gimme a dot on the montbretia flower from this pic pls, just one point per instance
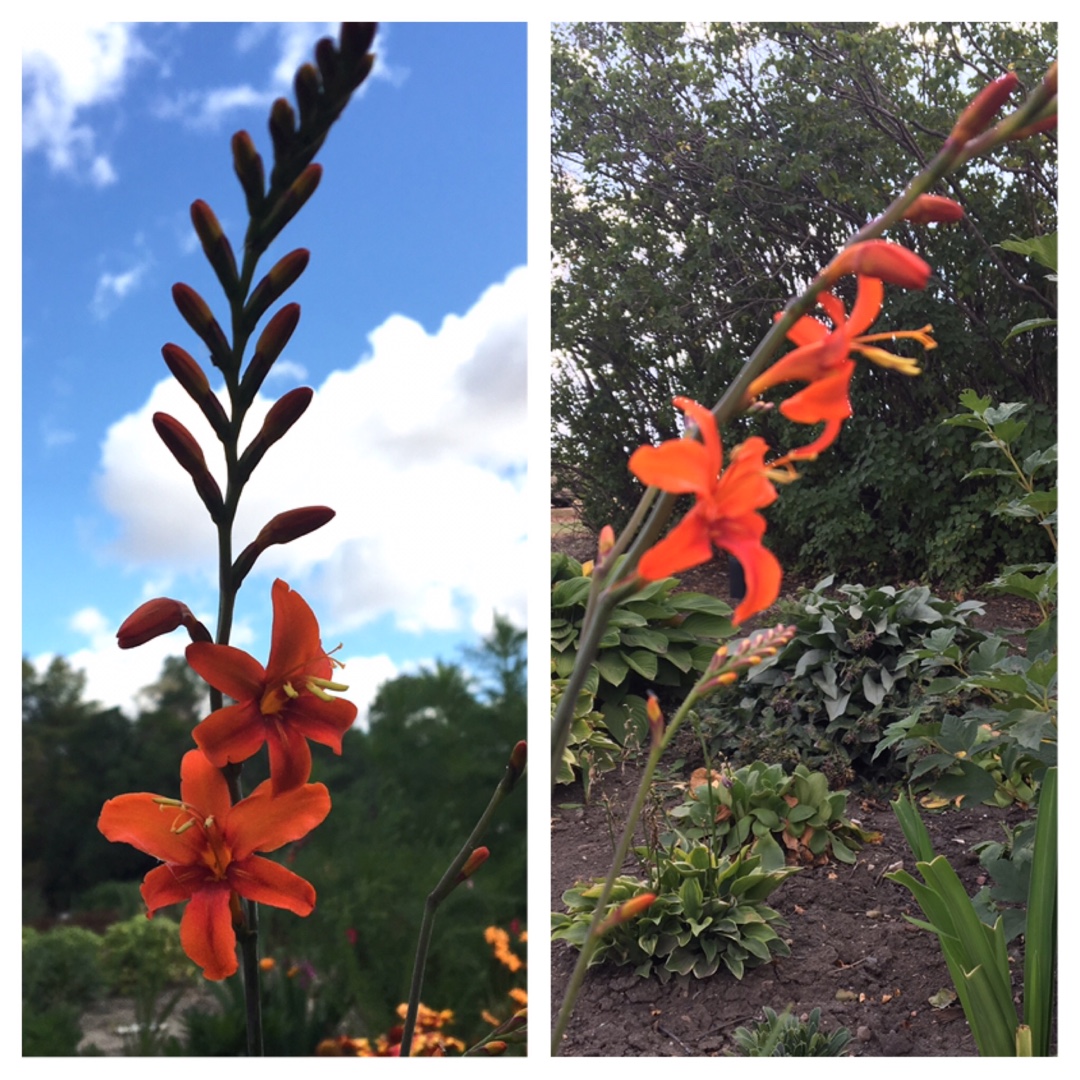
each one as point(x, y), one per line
point(283, 705)
point(725, 514)
point(822, 360)
point(207, 847)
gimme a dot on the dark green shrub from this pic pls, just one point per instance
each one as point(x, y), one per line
point(143, 956)
point(61, 966)
point(52, 1032)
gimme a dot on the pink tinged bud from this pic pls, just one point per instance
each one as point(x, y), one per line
point(282, 415)
point(927, 208)
point(656, 719)
point(516, 765)
point(268, 348)
point(978, 116)
point(188, 453)
point(630, 910)
point(606, 542)
point(473, 863)
point(289, 205)
point(881, 259)
point(197, 315)
point(249, 170)
point(279, 278)
point(215, 245)
point(193, 379)
point(281, 529)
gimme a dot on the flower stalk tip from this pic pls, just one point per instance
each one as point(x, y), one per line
point(473, 863)
point(516, 764)
point(977, 117)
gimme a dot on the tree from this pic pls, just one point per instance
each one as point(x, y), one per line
point(702, 174)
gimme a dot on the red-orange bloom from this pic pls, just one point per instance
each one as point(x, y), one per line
point(207, 849)
point(284, 704)
point(822, 361)
point(724, 515)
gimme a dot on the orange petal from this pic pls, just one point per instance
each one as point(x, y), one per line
point(161, 887)
point(295, 639)
point(869, 293)
point(680, 466)
point(290, 756)
point(761, 570)
point(147, 825)
point(825, 399)
point(232, 734)
point(804, 364)
point(706, 425)
point(264, 822)
point(206, 931)
point(230, 670)
point(687, 545)
point(744, 485)
point(202, 786)
point(324, 722)
point(266, 882)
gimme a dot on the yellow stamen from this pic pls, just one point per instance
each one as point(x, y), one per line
point(290, 692)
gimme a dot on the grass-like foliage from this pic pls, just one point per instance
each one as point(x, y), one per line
point(784, 1035)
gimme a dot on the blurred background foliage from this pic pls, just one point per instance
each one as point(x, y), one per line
point(702, 174)
point(405, 792)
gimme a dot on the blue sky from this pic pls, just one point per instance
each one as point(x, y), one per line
point(412, 334)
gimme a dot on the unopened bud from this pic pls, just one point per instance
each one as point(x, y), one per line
point(516, 765)
point(326, 56)
point(656, 719)
point(190, 375)
point(282, 415)
point(249, 170)
point(197, 315)
point(188, 453)
point(496, 1046)
point(587, 568)
point(282, 128)
point(154, 618)
point(473, 863)
point(268, 348)
point(281, 529)
point(356, 39)
point(288, 206)
point(215, 245)
point(927, 208)
point(881, 259)
point(606, 541)
point(279, 278)
point(306, 85)
point(977, 117)
point(630, 910)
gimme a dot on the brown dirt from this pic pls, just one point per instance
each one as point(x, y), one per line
point(853, 955)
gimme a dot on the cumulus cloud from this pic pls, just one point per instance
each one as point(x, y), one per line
point(65, 72)
point(111, 288)
point(420, 447)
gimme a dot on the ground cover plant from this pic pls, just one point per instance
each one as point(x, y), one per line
point(729, 492)
point(209, 833)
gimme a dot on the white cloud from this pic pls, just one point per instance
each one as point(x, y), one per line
point(421, 450)
point(111, 288)
point(65, 71)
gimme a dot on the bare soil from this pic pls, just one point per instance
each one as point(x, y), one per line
point(853, 954)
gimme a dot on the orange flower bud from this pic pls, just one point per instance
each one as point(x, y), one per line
point(496, 1046)
point(279, 278)
point(288, 206)
point(977, 117)
point(267, 963)
point(188, 453)
point(606, 542)
point(517, 761)
point(881, 259)
point(197, 315)
point(282, 415)
point(927, 208)
point(151, 620)
point(249, 170)
point(215, 245)
point(280, 529)
point(473, 863)
point(192, 378)
point(268, 348)
point(630, 910)
point(656, 719)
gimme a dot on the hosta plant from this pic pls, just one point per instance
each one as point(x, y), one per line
point(708, 911)
point(656, 639)
point(786, 818)
point(590, 750)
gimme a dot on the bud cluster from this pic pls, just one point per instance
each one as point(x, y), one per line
point(727, 662)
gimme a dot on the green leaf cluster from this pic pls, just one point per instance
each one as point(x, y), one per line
point(656, 639)
point(779, 815)
point(60, 966)
point(784, 1035)
point(826, 699)
point(709, 911)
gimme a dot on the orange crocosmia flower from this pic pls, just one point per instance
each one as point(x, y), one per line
point(724, 515)
point(822, 361)
point(207, 847)
point(284, 704)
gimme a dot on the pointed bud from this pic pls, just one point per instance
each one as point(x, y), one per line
point(881, 259)
point(193, 379)
point(656, 720)
point(288, 206)
point(326, 56)
point(606, 541)
point(279, 278)
point(516, 765)
point(197, 315)
point(356, 39)
point(306, 84)
point(282, 128)
point(927, 208)
point(630, 910)
point(188, 453)
point(280, 529)
point(216, 246)
point(1048, 123)
point(157, 617)
point(282, 415)
point(978, 116)
point(249, 170)
point(268, 348)
point(496, 1046)
point(473, 863)
point(587, 568)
